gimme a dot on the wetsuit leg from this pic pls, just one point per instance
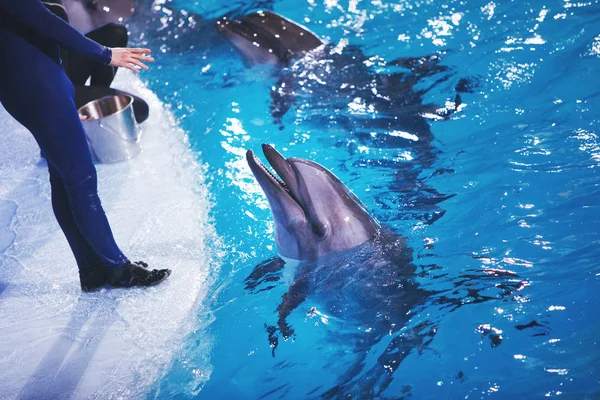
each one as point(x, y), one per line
point(35, 90)
point(85, 256)
point(79, 68)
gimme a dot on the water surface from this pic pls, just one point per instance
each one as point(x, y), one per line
point(507, 183)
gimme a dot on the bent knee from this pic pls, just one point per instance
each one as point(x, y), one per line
point(78, 175)
point(116, 34)
point(82, 189)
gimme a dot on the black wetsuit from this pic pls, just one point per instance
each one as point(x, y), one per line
point(35, 90)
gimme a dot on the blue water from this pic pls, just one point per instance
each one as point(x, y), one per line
point(507, 183)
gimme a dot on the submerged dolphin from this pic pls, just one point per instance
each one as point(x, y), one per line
point(264, 37)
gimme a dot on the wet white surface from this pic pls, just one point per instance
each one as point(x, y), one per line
point(57, 342)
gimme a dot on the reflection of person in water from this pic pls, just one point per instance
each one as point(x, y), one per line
point(79, 68)
point(35, 90)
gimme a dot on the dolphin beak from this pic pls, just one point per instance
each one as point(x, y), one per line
point(283, 168)
point(267, 180)
point(281, 189)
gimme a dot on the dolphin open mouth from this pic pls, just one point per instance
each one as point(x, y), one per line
point(287, 189)
point(282, 180)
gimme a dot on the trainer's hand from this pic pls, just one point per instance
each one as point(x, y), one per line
point(130, 58)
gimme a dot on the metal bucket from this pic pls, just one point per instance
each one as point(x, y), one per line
point(112, 133)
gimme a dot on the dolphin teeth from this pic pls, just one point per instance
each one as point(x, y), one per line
point(277, 179)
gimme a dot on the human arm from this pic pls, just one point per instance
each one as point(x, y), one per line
point(33, 14)
point(37, 17)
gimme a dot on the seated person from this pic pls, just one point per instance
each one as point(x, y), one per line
point(79, 69)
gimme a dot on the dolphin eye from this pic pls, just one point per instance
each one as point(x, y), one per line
point(319, 229)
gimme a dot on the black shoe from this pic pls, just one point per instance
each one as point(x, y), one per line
point(136, 274)
point(92, 278)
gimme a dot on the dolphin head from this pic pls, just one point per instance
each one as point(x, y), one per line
point(314, 212)
point(264, 37)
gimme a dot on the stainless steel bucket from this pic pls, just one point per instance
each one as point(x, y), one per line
point(111, 129)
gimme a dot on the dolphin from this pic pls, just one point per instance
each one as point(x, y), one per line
point(352, 271)
point(314, 212)
point(349, 265)
point(264, 37)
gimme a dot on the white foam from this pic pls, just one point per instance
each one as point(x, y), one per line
point(57, 342)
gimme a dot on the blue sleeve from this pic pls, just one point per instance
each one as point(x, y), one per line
point(33, 14)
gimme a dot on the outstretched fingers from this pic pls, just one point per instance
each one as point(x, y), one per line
point(129, 64)
point(142, 57)
point(137, 63)
point(136, 58)
point(134, 61)
point(137, 50)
